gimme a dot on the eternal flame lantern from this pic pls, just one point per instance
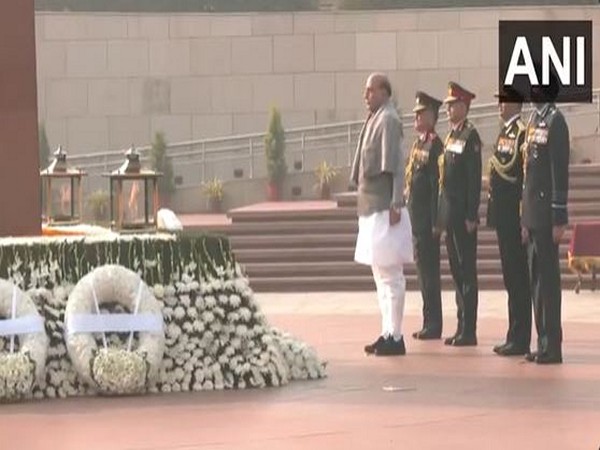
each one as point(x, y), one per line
point(61, 191)
point(133, 195)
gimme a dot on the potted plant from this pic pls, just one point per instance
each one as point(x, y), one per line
point(162, 163)
point(325, 174)
point(214, 191)
point(275, 156)
point(98, 204)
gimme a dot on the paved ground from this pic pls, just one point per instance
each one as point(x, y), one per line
point(434, 398)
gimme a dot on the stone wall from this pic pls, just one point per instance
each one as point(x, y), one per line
point(105, 81)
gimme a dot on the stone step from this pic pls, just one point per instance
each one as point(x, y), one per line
point(297, 255)
point(278, 241)
point(365, 283)
point(348, 199)
point(349, 268)
point(576, 211)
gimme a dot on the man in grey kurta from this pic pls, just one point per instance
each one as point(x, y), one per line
point(378, 172)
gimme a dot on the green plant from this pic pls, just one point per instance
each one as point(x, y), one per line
point(44, 147)
point(213, 189)
point(325, 173)
point(275, 149)
point(98, 205)
point(161, 162)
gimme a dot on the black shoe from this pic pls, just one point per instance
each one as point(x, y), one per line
point(391, 347)
point(498, 348)
point(450, 340)
point(547, 358)
point(371, 348)
point(464, 340)
point(531, 356)
point(512, 349)
point(427, 334)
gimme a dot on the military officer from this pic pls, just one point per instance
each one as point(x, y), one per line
point(458, 209)
point(503, 214)
point(545, 216)
point(422, 189)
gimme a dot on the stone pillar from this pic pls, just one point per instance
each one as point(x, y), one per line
point(19, 166)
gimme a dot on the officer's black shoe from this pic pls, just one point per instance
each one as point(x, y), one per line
point(498, 348)
point(450, 340)
point(371, 348)
point(547, 358)
point(464, 340)
point(427, 334)
point(391, 347)
point(512, 349)
point(531, 357)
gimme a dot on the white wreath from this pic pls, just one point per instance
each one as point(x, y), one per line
point(112, 370)
point(19, 371)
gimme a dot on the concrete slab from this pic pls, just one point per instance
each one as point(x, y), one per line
point(435, 397)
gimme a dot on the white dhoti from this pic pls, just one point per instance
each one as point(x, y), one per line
point(386, 249)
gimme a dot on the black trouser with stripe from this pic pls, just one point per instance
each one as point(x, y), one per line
point(515, 272)
point(544, 266)
point(427, 258)
point(462, 255)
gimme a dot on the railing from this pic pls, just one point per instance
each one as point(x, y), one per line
point(242, 156)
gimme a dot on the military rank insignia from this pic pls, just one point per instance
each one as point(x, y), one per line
point(505, 145)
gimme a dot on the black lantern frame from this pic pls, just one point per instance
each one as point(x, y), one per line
point(58, 172)
point(133, 174)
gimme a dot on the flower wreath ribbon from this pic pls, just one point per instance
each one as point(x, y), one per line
point(115, 323)
point(19, 325)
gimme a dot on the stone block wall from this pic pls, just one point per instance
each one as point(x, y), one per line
point(108, 80)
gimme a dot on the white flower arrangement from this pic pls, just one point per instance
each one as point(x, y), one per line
point(20, 370)
point(118, 371)
point(111, 371)
point(215, 335)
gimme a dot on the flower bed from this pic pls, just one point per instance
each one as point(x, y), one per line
point(215, 336)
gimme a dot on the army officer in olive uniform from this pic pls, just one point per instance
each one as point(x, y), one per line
point(458, 210)
point(545, 216)
point(503, 214)
point(422, 187)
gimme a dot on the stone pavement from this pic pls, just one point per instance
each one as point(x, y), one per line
point(434, 398)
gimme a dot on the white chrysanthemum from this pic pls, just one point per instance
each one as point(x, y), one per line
point(241, 330)
point(210, 301)
point(198, 326)
point(185, 301)
point(169, 291)
point(235, 300)
point(159, 291)
point(200, 303)
point(192, 312)
point(208, 317)
point(167, 312)
point(171, 300)
point(223, 299)
point(245, 314)
point(179, 312)
point(173, 331)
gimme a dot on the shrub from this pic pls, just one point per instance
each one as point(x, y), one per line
point(162, 163)
point(44, 147)
point(98, 205)
point(275, 149)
